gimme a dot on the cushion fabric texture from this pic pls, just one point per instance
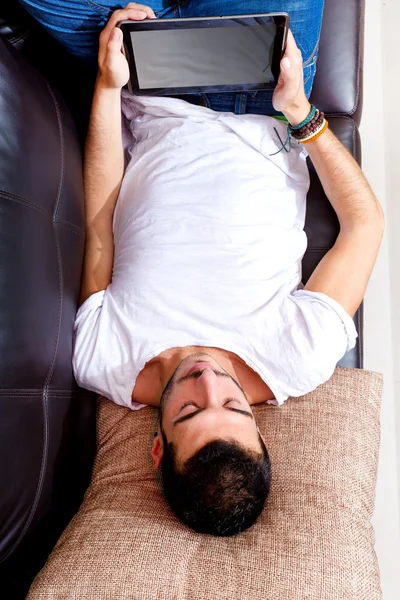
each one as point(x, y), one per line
point(313, 541)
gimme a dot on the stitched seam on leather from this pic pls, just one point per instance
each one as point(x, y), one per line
point(45, 394)
point(17, 38)
point(33, 392)
point(25, 202)
point(66, 225)
point(350, 120)
point(358, 74)
point(339, 115)
point(21, 200)
point(360, 18)
point(59, 396)
point(319, 249)
point(60, 186)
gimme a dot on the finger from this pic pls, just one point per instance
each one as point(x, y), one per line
point(113, 63)
point(292, 52)
point(147, 9)
point(130, 14)
point(124, 14)
point(114, 45)
point(288, 72)
point(290, 42)
point(291, 73)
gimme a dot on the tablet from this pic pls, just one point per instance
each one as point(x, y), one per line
point(204, 54)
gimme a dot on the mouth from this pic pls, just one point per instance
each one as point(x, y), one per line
point(198, 367)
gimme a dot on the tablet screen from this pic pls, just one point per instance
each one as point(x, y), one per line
point(205, 57)
point(172, 56)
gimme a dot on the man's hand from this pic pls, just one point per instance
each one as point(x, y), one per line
point(289, 96)
point(113, 66)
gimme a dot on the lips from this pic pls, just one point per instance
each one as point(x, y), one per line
point(200, 365)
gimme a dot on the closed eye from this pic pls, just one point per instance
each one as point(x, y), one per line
point(193, 403)
point(228, 400)
point(199, 410)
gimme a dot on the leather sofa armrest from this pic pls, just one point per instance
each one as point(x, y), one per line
point(46, 427)
point(14, 23)
point(338, 82)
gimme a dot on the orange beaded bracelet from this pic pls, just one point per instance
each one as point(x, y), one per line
point(316, 135)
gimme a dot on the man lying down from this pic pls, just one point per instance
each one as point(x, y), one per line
point(191, 296)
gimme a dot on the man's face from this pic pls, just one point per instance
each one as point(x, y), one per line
point(202, 403)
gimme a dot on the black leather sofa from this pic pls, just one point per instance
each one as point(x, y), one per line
point(47, 425)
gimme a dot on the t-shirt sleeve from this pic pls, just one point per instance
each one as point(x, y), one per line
point(99, 356)
point(86, 333)
point(315, 335)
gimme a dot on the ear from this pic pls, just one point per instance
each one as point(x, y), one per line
point(157, 451)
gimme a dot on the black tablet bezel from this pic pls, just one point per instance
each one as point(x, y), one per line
point(281, 21)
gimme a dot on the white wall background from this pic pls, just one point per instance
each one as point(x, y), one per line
point(391, 60)
point(381, 164)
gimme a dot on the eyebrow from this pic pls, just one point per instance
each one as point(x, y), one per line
point(193, 414)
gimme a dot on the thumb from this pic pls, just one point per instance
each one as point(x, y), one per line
point(288, 73)
point(115, 42)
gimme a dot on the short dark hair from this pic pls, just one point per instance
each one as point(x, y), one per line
point(221, 490)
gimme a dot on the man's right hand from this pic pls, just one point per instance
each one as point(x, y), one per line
point(113, 66)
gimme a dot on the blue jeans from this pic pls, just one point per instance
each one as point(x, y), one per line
point(76, 24)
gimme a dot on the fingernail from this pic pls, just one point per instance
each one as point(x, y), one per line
point(285, 64)
point(115, 33)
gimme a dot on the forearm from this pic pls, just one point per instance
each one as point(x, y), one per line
point(344, 271)
point(103, 173)
point(344, 183)
point(104, 158)
point(342, 179)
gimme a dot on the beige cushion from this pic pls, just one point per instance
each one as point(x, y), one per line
point(313, 541)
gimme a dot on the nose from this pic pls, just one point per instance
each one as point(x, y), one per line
point(206, 385)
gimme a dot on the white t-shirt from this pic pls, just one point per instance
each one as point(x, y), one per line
point(208, 232)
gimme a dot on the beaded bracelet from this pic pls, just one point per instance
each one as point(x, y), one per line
point(307, 131)
point(316, 135)
point(310, 128)
point(307, 120)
